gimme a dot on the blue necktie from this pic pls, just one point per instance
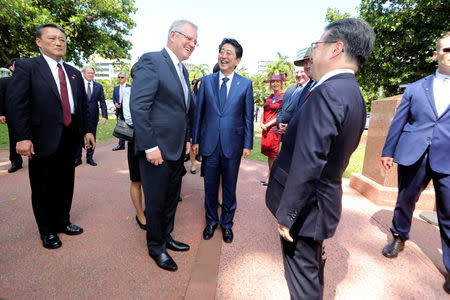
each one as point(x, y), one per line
point(223, 92)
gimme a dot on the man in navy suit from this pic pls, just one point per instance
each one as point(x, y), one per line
point(160, 102)
point(305, 192)
point(117, 100)
point(294, 94)
point(48, 110)
point(418, 140)
point(223, 129)
point(95, 97)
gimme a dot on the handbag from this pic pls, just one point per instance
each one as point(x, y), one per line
point(123, 131)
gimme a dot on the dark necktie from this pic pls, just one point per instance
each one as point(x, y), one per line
point(223, 92)
point(67, 118)
point(183, 83)
point(89, 92)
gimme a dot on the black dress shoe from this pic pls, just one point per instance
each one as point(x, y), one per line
point(193, 171)
point(14, 168)
point(392, 249)
point(78, 162)
point(177, 246)
point(91, 162)
point(208, 232)
point(180, 199)
point(118, 148)
point(140, 224)
point(51, 241)
point(164, 261)
point(227, 235)
point(72, 229)
point(447, 284)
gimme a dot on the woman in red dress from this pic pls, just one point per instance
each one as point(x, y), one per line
point(271, 135)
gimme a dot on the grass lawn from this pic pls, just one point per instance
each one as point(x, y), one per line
point(104, 135)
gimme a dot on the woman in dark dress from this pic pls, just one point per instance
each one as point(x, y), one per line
point(271, 135)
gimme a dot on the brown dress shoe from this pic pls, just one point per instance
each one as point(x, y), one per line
point(447, 284)
point(392, 249)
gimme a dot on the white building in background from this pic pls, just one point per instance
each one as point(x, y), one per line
point(262, 65)
point(104, 67)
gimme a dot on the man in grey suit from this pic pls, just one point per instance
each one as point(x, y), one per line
point(305, 185)
point(159, 103)
point(418, 140)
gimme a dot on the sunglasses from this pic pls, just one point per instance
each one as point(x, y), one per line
point(120, 77)
point(446, 50)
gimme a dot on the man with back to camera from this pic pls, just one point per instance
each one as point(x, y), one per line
point(160, 102)
point(305, 192)
point(223, 133)
point(418, 140)
point(49, 114)
point(95, 97)
point(16, 159)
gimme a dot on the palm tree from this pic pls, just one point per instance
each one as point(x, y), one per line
point(279, 66)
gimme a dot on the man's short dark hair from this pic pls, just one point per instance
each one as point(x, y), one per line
point(11, 62)
point(133, 68)
point(236, 45)
point(40, 29)
point(356, 34)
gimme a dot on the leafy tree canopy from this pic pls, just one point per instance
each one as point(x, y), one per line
point(406, 34)
point(92, 26)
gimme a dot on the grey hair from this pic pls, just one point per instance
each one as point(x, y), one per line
point(122, 73)
point(87, 67)
point(178, 26)
point(356, 34)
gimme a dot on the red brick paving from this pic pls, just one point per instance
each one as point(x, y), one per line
point(110, 259)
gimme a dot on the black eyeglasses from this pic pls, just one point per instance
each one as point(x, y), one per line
point(446, 50)
point(188, 38)
point(120, 77)
point(314, 45)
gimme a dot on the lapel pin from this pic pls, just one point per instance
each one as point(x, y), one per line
point(73, 77)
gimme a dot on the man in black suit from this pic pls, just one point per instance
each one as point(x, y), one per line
point(95, 97)
point(16, 159)
point(117, 100)
point(160, 102)
point(305, 192)
point(48, 111)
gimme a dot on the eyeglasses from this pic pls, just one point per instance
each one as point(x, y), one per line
point(446, 50)
point(314, 45)
point(120, 77)
point(188, 38)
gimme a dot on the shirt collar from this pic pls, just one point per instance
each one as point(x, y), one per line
point(86, 82)
point(331, 74)
point(172, 56)
point(221, 76)
point(51, 62)
point(441, 76)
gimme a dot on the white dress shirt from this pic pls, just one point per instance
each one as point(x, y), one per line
point(441, 91)
point(53, 64)
point(221, 76)
point(331, 74)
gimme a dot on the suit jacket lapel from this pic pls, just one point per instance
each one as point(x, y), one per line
point(46, 73)
point(174, 73)
point(428, 88)
point(215, 80)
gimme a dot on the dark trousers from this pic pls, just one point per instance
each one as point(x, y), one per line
point(412, 180)
point(215, 165)
point(15, 158)
point(89, 152)
point(52, 182)
point(119, 115)
point(161, 185)
point(303, 268)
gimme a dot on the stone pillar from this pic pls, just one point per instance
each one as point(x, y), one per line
point(375, 183)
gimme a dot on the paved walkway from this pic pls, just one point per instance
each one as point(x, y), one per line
point(110, 260)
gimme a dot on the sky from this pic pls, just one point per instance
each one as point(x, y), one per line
point(262, 27)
